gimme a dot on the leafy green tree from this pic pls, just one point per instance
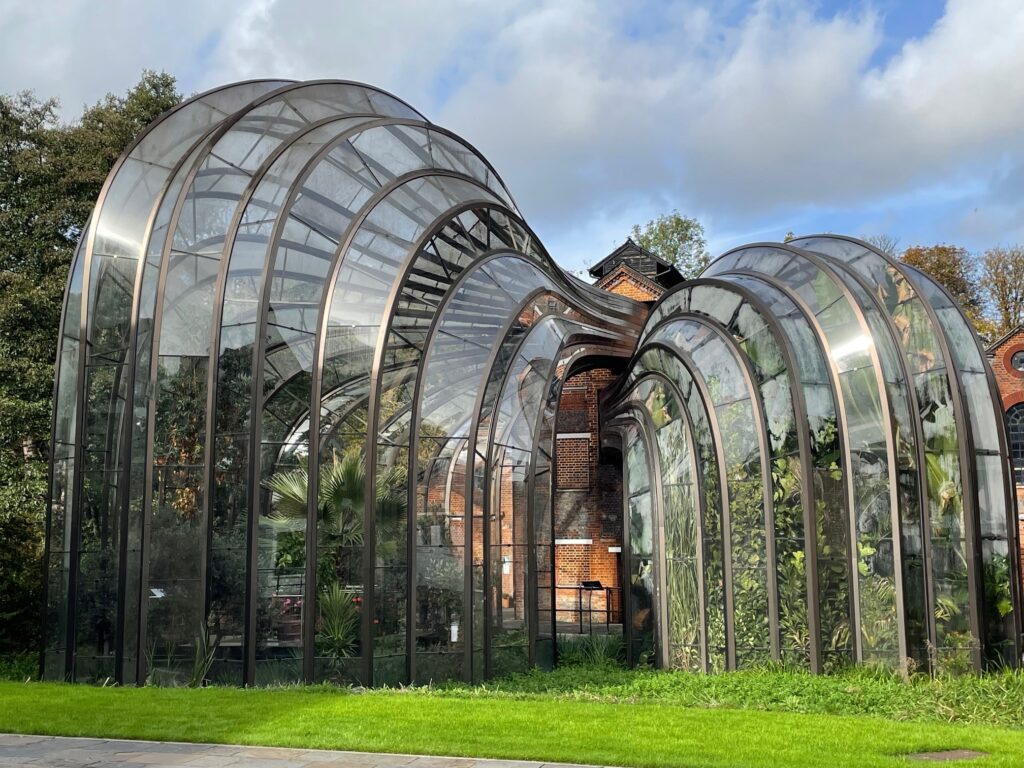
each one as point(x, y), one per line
point(956, 270)
point(677, 239)
point(50, 175)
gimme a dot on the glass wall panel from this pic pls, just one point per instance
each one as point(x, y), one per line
point(830, 510)
point(641, 561)
point(715, 570)
point(308, 380)
point(457, 366)
point(844, 329)
point(739, 427)
point(760, 343)
point(993, 520)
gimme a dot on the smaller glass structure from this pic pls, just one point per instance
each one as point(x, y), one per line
point(310, 365)
point(854, 502)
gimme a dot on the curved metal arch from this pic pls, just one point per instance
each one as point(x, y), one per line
point(568, 340)
point(319, 347)
point(799, 407)
point(207, 147)
point(700, 510)
point(228, 240)
point(687, 363)
point(961, 406)
point(886, 429)
point(767, 489)
point(88, 239)
point(331, 142)
point(823, 346)
point(471, 437)
point(51, 469)
point(324, 153)
point(320, 341)
point(923, 484)
point(715, 442)
point(645, 427)
point(566, 368)
point(414, 434)
point(373, 426)
point(1009, 497)
point(146, 490)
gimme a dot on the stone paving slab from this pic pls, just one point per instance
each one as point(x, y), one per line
point(17, 751)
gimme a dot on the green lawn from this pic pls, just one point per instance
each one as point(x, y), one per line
point(557, 725)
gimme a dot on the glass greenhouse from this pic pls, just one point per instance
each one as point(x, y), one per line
point(310, 364)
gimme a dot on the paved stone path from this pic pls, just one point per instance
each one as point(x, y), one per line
point(62, 752)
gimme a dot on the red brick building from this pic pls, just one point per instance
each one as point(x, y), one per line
point(588, 491)
point(1007, 358)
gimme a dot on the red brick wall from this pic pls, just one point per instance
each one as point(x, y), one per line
point(1010, 381)
point(629, 285)
point(588, 501)
point(588, 494)
point(1011, 391)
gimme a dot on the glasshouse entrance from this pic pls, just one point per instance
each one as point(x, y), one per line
point(312, 423)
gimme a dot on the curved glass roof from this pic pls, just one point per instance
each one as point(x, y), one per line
point(310, 367)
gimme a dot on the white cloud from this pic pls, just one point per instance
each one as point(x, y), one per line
point(601, 113)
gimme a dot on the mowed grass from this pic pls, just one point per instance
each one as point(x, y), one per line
point(481, 722)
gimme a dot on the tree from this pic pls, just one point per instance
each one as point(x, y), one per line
point(1002, 278)
point(50, 175)
point(677, 239)
point(957, 271)
point(885, 243)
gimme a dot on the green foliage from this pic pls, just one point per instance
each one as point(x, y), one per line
point(676, 238)
point(19, 667)
point(339, 624)
point(957, 271)
point(994, 699)
point(50, 175)
point(591, 650)
point(205, 652)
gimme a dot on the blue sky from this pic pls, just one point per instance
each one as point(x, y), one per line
point(903, 118)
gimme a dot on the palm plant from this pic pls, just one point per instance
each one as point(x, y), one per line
point(339, 498)
point(340, 533)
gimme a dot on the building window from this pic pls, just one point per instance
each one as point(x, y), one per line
point(1017, 361)
point(1015, 425)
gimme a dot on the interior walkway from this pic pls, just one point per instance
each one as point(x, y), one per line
point(62, 752)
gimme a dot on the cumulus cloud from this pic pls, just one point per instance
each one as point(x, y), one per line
point(600, 114)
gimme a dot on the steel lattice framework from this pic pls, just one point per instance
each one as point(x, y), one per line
point(310, 362)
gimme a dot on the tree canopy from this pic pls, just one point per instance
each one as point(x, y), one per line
point(677, 239)
point(1002, 279)
point(50, 175)
point(956, 270)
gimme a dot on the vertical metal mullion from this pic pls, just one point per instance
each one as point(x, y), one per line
point(767, 490)
point(807, 490)
point(81, 400)
point(835, 385)
point(727, 575)
point(333, 273)
point(58, 365)
point(490, 459)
